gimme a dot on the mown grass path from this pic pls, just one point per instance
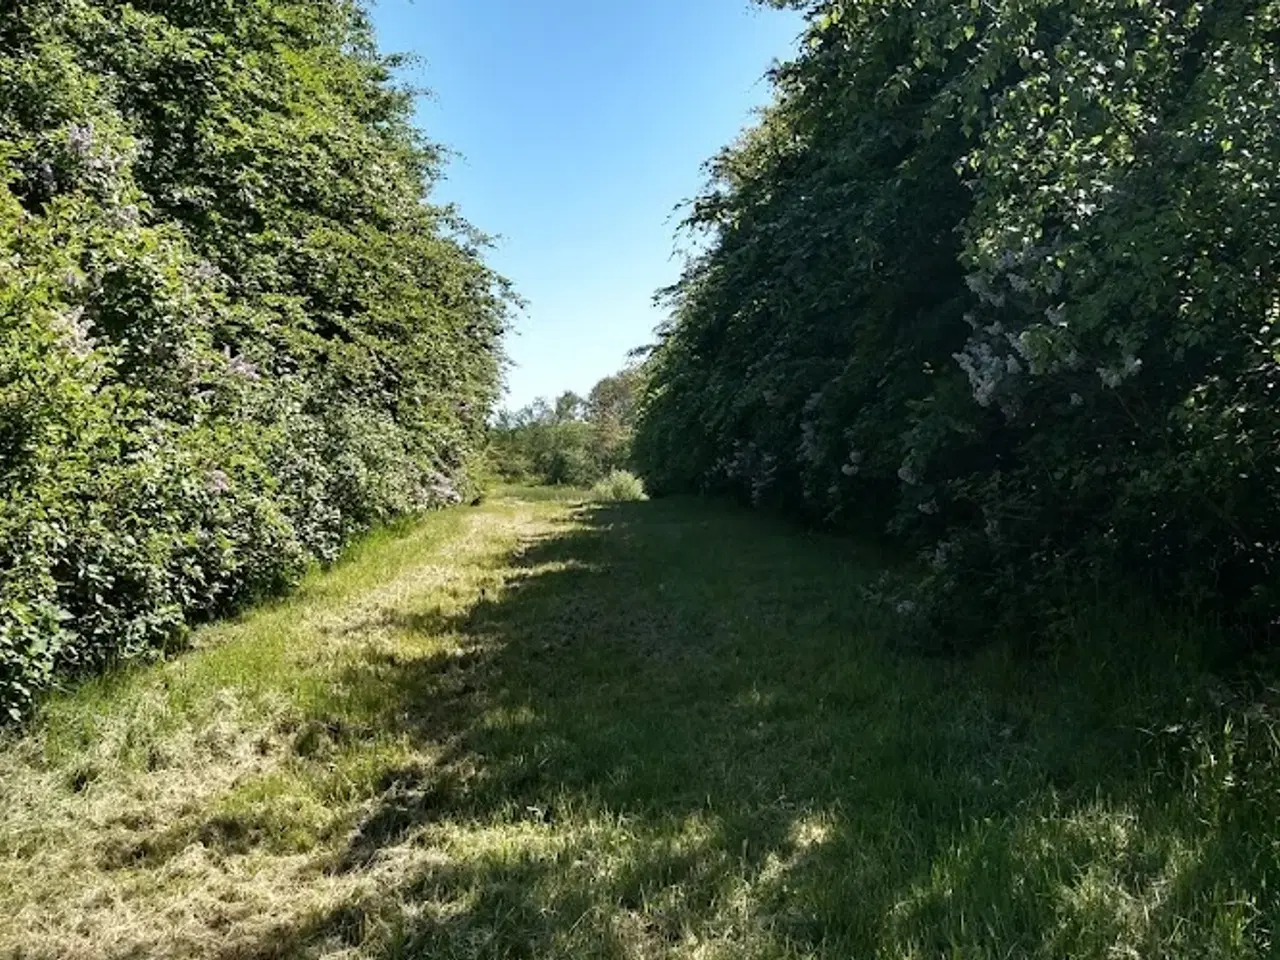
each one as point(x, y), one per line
point(544, 728)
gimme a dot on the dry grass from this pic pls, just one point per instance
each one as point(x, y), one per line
point(549, 729)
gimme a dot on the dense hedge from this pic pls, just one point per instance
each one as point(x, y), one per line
point(232, 330)
point(1002, 280)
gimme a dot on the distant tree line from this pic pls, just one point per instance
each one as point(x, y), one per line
point(1000, 281)
point(234, 332)
point(575, 441)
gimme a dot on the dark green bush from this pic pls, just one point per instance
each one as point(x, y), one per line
point(233, 331)
point(1000, 280)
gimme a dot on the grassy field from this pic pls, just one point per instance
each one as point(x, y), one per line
point(548, 728)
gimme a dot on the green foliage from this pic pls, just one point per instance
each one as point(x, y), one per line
point(573, 442)
point(233, 332)
point(999, 280)
point(619, 486)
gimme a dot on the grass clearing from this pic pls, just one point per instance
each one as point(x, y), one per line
point(553, 728)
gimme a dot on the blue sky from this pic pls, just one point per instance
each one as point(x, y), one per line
point(581, 125)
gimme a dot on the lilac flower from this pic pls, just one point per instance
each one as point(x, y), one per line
point(984, 368)
point(442, 490)
point(73, 329)
point(853, 465)
point(217, 482)
point(240, 367)
point(80, 138)
point(206, 272)
point(127, 216)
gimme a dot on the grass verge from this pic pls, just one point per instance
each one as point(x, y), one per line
point(548, 728)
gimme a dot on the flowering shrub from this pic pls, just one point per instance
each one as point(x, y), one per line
point(1000, 280)
point(233, 333)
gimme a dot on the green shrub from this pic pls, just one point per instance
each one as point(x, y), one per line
point(618, 486)
point(233, 333)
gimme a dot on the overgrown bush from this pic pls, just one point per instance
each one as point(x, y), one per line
point(572, 442)
point(619, 486)
point(1000, 280)
point(233, 332)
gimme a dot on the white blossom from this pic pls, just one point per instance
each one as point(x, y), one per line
point(73, 330)
point(217, 482)
point(80, 138)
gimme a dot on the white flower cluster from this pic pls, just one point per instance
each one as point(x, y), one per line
point(206, 272)
point(810, 449)
point(100, 162)
point(441, 490)
point(762, 479)
point(748, 465)
point(238, 366)
point(985, 368)
point(851, 466)
point(73, 329)
point(1113, 376)
point(80, 138)
point(217, 482)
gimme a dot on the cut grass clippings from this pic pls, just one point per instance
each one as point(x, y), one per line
point(554, 728)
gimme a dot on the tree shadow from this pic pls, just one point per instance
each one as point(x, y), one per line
point(664, 731)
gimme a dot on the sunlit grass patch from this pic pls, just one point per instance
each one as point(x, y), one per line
point(558, 728)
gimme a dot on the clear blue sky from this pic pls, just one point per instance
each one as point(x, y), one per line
point(581, 124)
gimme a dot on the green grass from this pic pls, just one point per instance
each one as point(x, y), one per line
point(554, 728)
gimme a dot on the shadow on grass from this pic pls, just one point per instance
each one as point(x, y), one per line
point(679, 725)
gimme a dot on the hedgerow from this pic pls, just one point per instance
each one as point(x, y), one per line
point(1003, 281)
point(233, 330)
